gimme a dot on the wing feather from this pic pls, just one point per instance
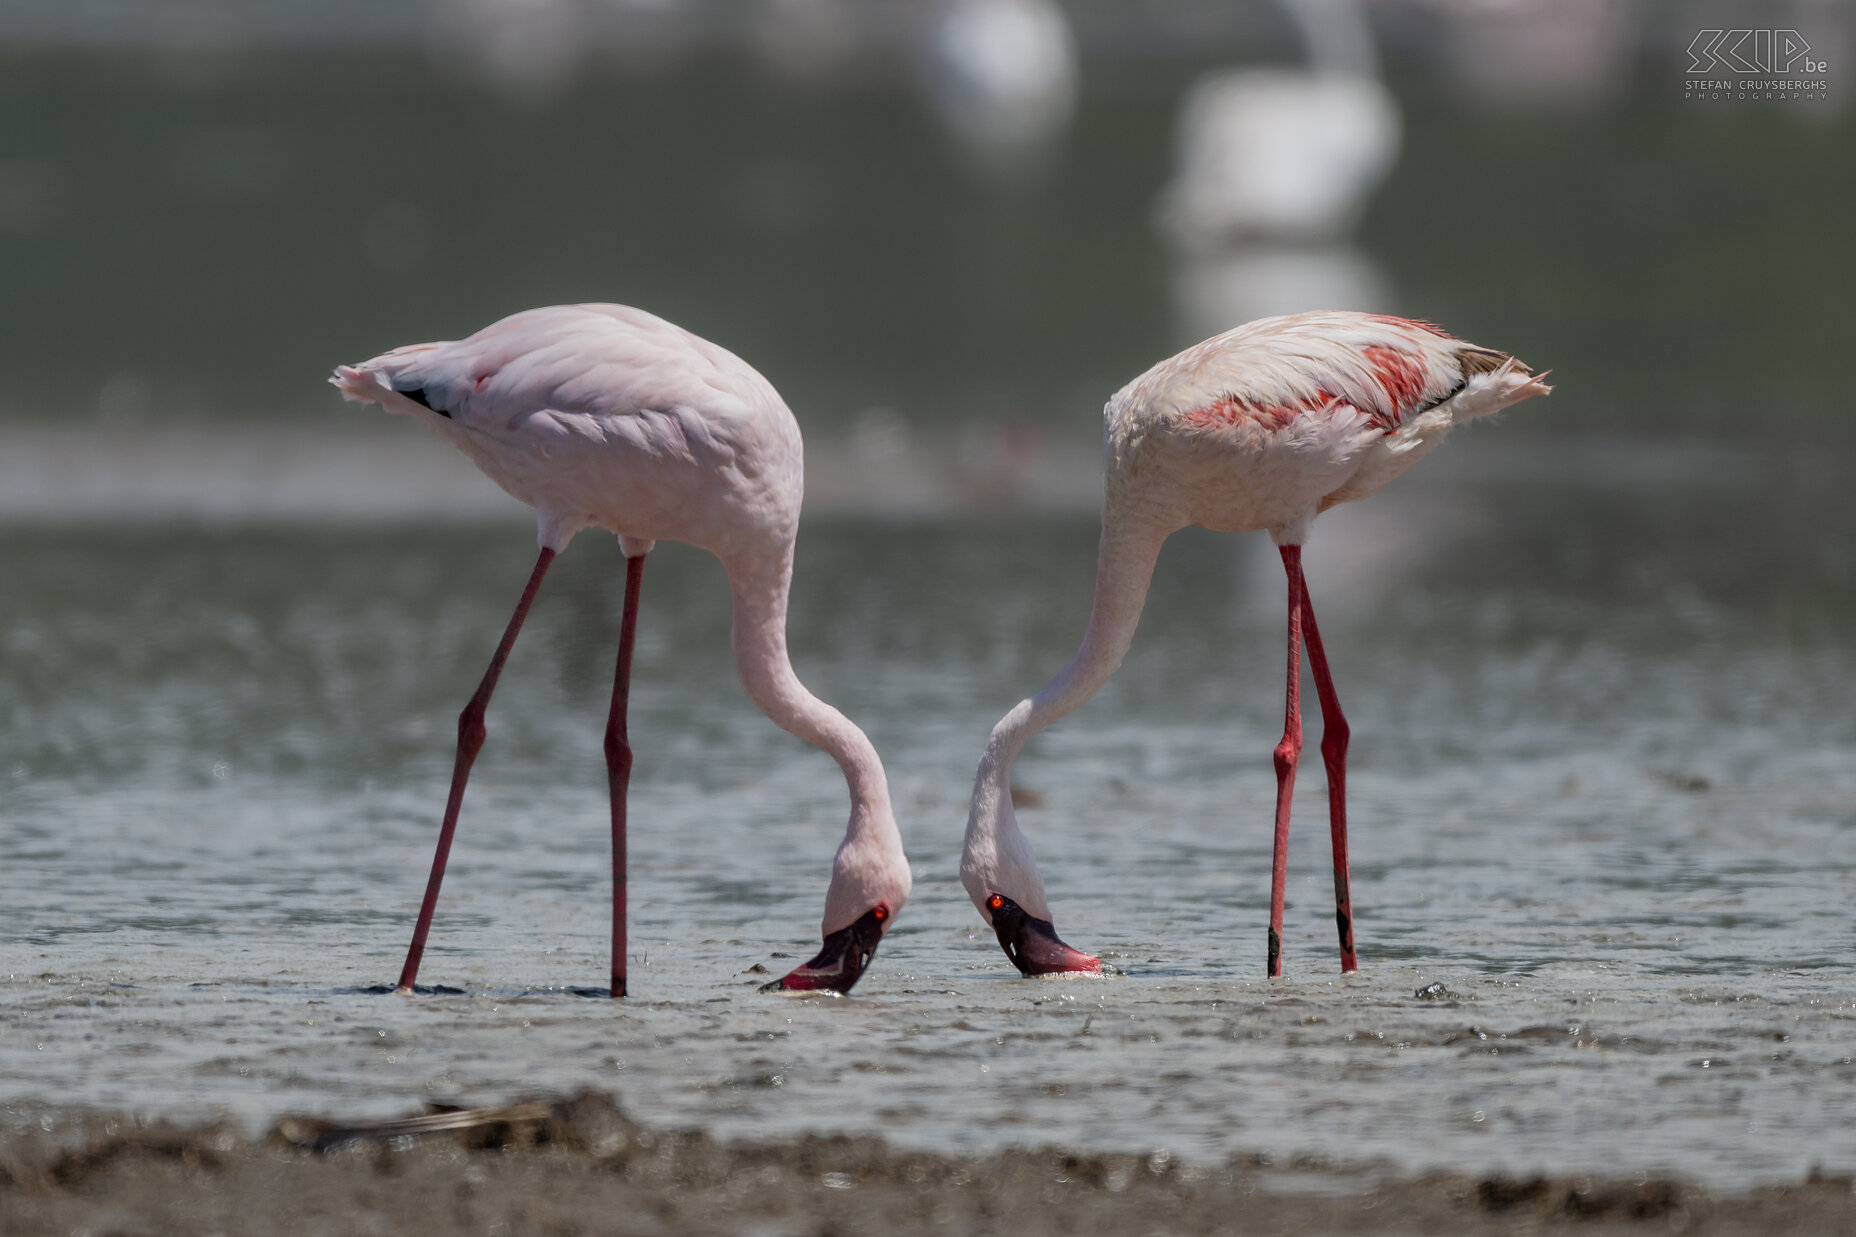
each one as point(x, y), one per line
point(585, 361)
point(1274, 369)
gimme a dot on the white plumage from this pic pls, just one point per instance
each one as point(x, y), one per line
point(609, 417)
point(606, 416)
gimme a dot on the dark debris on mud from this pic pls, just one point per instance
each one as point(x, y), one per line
point(581, 1166)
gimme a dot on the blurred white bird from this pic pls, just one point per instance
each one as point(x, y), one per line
point(605, 416)
point(1002, 74)
point(1284, 153)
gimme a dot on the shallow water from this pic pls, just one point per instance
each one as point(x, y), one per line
point(1604, 790)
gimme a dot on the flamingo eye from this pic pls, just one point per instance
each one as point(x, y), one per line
point(881, 913)
point(996, 902)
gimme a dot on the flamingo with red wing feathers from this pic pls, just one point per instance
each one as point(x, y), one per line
point(1262, 427)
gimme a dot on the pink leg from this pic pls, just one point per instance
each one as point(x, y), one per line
point(1287, 753)
point(470, 742)
point(619, 762)
point(1334, 735)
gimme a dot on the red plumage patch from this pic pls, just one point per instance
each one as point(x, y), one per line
point(1400, 376)
point(1228, 413)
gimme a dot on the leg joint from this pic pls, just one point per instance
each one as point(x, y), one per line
point(618, 754)
point(1287, 753)
point(471, 730)
point(1334, 737)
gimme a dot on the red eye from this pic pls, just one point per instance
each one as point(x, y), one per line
point(995, 902)
point(881, 913)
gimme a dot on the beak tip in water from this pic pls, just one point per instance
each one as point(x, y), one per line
point(840, 962)
point(1033, 944)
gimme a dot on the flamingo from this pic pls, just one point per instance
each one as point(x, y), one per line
point(1262, 427)
point(606, 416)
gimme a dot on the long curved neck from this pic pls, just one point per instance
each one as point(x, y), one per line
point(760, 588)
point(1124, 569)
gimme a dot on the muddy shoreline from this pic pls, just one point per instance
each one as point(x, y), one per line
point(581, 1166)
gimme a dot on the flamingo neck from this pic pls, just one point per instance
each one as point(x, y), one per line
point(995, 852)
point(870, 867)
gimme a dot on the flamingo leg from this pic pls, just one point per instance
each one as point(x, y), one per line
point(1334, 735)
point(1287, 753)
point(470, 742)
point(619, 762)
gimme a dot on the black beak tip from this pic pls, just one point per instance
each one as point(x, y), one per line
point(840, 962)
point(1033, 944)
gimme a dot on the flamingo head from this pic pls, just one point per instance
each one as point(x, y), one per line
point(1000, 874)
point(1032, 943)
point(843, 958)
point(870, 881)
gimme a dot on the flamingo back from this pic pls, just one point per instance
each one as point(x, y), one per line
point(608, 416)
point(1275, 369)
point(1263, 425)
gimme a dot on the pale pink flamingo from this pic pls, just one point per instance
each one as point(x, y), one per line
point(605, 416)
point(1263, 427)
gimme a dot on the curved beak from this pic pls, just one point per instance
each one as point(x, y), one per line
point(1032, 944)
point(842, 960)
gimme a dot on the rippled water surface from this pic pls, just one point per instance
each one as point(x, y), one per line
point(1604, 784)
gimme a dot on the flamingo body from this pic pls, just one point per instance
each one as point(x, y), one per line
point(1260, 428)
point(1265, 425)
point(609, 417)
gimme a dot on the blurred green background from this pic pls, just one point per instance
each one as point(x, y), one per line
point(201, 224)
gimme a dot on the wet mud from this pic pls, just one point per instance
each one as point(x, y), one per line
point(581, 1166)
